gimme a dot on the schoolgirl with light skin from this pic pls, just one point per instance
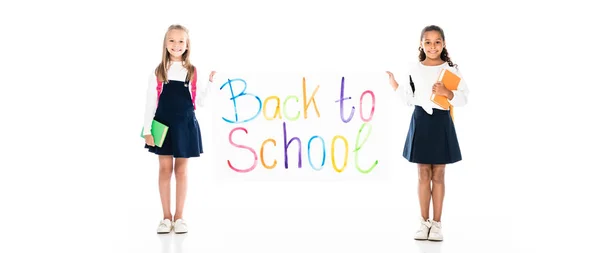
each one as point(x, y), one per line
point(171, 100)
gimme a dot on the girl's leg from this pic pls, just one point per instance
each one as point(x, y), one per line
point(438, 190)
point(181, 179)
point(164, 184)
point(425, 172)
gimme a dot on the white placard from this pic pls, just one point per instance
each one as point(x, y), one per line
point(299, 126)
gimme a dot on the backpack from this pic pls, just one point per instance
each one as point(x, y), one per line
point(159, 86)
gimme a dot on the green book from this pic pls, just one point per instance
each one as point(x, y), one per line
point(158, 131)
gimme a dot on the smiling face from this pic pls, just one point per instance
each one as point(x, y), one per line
point(176, 44)
point(432, 43)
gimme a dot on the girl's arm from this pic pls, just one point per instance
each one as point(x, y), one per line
point(204, 87)
point(150, 107)
point(459, 96)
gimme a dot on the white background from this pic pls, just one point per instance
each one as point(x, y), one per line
point(75, 177)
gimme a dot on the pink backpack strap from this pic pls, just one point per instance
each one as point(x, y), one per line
point(194, 79)
point(159, 86)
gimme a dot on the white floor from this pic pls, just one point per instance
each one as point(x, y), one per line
point(308, 216)
point(118, 210)
point(315, 230)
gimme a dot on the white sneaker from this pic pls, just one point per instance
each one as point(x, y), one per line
point(435, 234)
point(180, 227)
point(423, 232)
point(164, 227)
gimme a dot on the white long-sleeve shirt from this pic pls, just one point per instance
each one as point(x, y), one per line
point(423, 78)
point(178, 73)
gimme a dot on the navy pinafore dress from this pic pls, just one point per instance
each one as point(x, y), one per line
point(176, 110)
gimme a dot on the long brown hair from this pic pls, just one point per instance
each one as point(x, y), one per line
point(444, 55)
point(161, 70)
